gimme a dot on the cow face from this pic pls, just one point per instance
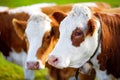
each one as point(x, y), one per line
point(38, 29)
point(78, 39)
point(42, 35)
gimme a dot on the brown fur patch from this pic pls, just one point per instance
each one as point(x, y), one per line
point(77, 37)
point(41, 53)
point(91, 27)
point(8, 35)
point(110, 45)
point(64, 8)
point(66, 73)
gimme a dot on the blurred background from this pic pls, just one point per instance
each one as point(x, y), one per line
point(15, 3)
point(10, 71)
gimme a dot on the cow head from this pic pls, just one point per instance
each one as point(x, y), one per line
point(78, 39)
point(42, 33)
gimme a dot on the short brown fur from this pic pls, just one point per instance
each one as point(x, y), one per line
point(110, 43)
point(8, 36)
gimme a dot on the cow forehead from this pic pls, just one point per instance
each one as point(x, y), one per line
point(37, 25)
point(78, 17)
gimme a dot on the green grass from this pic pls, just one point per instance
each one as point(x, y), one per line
point(15, 3)
point(10, 71)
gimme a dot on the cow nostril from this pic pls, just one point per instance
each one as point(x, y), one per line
point(27, 63)
point(55, 60)
point(52, 60)
point(36, 65)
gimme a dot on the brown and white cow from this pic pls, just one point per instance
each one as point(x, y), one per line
point(12, 47)
point(84, 36)
point(42, 44)
point(48, 44)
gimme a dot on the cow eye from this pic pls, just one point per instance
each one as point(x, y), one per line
point(78, 33)
point(48, 36)
point(77, 37)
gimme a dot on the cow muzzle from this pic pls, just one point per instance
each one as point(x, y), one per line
point(32, 65)
point(52, 60)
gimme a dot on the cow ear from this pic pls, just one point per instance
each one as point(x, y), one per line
point(59, 16)
point(91, 26)
point(19, 27)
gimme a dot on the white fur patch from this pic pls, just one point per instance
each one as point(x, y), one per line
point(69, 55)
point(18, 58)
point(3, 8)
point(33, 9)
point(89, 4)
point(102, 75)
point(37, 26)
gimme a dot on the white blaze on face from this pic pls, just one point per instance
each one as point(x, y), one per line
point(69, 55)
point(37, 26)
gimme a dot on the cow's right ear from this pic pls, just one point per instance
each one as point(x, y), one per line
point(59, 16)
point(19, 27)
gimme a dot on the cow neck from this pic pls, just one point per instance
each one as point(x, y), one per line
point(6, 33)
point(110, 44)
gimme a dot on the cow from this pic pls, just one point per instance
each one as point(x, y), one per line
point(37, 54)
point(47, 46)
point(89, 36)
point(12, 47)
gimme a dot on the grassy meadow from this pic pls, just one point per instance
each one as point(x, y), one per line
point(10, 71)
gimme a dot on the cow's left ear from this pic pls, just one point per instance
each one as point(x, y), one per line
point(19, 27)
point(91, 27)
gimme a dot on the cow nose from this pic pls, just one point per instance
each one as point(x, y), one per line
point(52, 60)
point(33, 65)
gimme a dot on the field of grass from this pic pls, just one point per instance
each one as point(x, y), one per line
point(10, 71)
